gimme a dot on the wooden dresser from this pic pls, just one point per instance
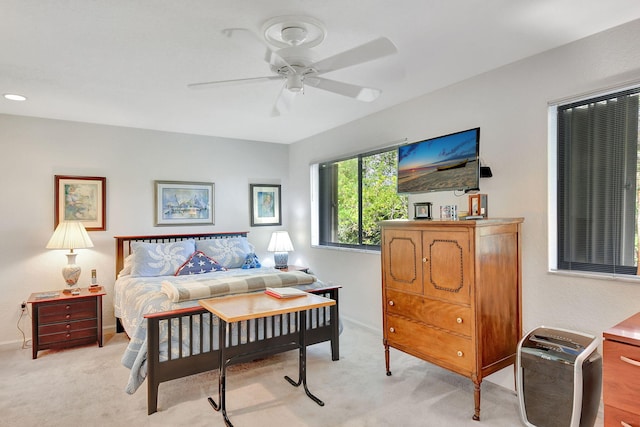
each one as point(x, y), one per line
point(451, 293)
point(621, 374)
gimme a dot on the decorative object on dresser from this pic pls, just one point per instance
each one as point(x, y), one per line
point(422, 210)
point(280, 244)
point(61, 320)
point(452, 294)
point(70, 235)
point(478, 205)
point(621, 372)
point(171, 327)
point(81, 198)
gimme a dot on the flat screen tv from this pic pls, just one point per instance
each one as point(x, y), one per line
point(446, 163)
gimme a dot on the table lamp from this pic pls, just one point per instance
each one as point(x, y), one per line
point(280, 244)
point(70, 235)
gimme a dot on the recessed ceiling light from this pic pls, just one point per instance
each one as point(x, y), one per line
point(15, 97)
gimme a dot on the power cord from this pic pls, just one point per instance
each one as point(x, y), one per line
point(23, 310)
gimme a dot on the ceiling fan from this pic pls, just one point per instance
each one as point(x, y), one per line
point(292, 60)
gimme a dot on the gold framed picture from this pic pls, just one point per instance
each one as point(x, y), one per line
point(81, 198)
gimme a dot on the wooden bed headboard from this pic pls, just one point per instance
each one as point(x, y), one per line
point(123, 243)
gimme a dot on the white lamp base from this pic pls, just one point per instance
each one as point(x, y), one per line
point(71, 271)
point(281, 259)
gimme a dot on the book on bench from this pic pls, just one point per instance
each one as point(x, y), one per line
point(285, 292)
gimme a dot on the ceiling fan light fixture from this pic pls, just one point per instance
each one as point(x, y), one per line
point(295, 83)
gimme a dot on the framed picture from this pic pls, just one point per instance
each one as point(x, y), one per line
point(184, 203)
point(478, 205)
point(422, 210)
point(265, 204)
point(81, 198)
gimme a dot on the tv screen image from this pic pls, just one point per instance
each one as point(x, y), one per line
point(446, 163)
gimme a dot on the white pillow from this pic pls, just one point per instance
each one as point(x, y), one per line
point(230, 253)
point(160, 259)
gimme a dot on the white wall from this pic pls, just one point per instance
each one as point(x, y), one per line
point(510, 106)
point(34, 150)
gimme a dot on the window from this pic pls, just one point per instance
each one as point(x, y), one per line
point(354, 194)
point(597, 187)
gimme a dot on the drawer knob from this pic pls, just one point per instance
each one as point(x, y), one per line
point(392, 330)
point(68, 326)
point(460, 353)
point(68, 316)
point(623, 424)
point(68, 307)
point(391, 302)
point(424, 259)
point(459, 320)
point(68, 335)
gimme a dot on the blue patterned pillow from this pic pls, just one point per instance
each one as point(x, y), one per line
point(159, 259)
point(230, 253)
point(251, 261)
point(199, 263)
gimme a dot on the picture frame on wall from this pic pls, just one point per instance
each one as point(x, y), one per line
point(184, 203)
point(265, 204)
point(81, 198)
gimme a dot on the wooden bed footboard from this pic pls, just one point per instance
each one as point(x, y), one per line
point(322, 326)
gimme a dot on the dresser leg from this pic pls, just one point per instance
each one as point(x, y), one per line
point(386, 359)
point(476, 400)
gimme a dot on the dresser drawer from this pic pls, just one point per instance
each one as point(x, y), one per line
point(66, 311)
point(453, 317)
point(614, 417)
point(621, 376)
point(450, 351)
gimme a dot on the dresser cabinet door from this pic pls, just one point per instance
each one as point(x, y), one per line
point(402, 257)
point(447, 267)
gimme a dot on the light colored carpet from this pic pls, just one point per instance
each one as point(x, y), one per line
point(85, 387)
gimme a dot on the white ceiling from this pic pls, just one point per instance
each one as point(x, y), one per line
point(127, 62)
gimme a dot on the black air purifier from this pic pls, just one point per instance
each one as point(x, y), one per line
point(559, 378)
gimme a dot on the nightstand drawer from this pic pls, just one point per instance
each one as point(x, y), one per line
point(66, 311)
point(91, 335)
point(66, 327)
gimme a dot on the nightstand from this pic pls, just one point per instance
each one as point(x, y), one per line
point(61, 319)
point(296, 268)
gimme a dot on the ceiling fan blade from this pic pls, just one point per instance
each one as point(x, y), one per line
point(360, 93)
point(284, 102)
point(374, 49)
point(206, 85)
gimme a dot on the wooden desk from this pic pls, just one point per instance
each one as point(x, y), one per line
point(237, 308)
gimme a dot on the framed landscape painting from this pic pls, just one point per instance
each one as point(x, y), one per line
point(184, 203)
point(81, 198)
point(265, 204)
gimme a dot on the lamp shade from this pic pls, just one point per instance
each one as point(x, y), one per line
point(70, 235)
point(280, 242)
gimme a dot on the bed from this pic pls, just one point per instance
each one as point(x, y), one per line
point(171, 336)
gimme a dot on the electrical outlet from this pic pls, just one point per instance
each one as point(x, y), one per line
point(23, 305)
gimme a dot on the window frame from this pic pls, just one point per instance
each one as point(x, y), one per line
point(554, 199)
point(317, 201)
